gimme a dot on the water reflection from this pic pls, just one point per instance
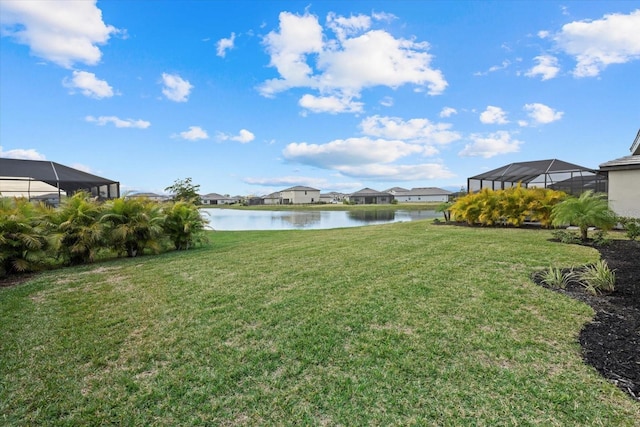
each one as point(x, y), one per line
point(300, 219)
point(373, 216)
point(238, 220)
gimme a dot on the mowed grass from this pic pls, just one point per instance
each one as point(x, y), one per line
point(400, 324)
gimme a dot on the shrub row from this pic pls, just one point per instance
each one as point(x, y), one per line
point(511, 206)
point(33, 235)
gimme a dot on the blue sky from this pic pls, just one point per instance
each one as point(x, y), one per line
point(250, 97)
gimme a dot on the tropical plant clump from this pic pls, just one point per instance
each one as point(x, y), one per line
point(512, 206)
point(596, 278)
point(556, 277)
point(631, 227)
point(588, 210)
point(24, 242)
point(33, 235)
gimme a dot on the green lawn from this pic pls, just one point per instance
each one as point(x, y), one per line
point(400, 324)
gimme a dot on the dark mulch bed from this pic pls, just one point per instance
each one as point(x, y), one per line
point(611, 342)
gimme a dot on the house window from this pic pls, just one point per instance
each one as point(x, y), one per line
point(305, 193)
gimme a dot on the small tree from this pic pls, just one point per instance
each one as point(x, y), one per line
point(445, 209)
point(588, 210)
point(184, 190)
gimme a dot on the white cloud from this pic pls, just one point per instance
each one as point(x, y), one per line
point(193, 134)
point(225, 44)
point(448, 112)
point(597, 44)
point(505, 64)
point(344, 27)
point(543, 34)
point(491, 145)
point(352, 152)
point(415, 130)
point(299, 36)
point(493, 115)
point(175, 87)
point(117, 122)
point(547, 67)
point(329, 104)
point(387, 101)
point(89, 85)
point(243, 137)
point(542, 114)
point(358, 58)
point(60, 31)
point(287, 181)
point(21, 153)
point(398, 172)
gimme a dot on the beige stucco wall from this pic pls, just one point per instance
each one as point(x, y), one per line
point(302, 196)
point(624, 192)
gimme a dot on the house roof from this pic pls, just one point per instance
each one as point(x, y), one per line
point(370, 192)
point(301, 188)
point(214, 196)
point(635, 147)
point(275, 195)
point(627, 162)
point(149, 195)
point(396, 190)
point(528, 171)
point(426, 191)
point(52, 173)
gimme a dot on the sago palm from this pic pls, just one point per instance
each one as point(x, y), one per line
point(588, 210)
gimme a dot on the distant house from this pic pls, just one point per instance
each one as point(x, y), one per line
point(332, 197)
point(217, 199)
point(151, 196)
point(300, 195)
point(396, 190)
point(272, 199)
point(423, 194)
point(368, 196)
point(624, 182)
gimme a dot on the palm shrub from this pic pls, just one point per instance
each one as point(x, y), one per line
point(542, 203)
point(132, 224)
point(183, 224)
point(467, 208)
point(511, 206)
point(515, 204)
point(80, 232)
point(489, 202)
point(590, 209)
point(24, 242)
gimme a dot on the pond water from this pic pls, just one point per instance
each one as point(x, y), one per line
point(243, 220)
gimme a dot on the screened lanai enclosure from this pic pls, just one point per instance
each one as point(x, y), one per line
point(555, 174)
point(50, 181)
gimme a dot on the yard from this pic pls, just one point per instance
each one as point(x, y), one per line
point(401, 324)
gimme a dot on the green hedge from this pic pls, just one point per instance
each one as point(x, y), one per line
point(34, 236)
